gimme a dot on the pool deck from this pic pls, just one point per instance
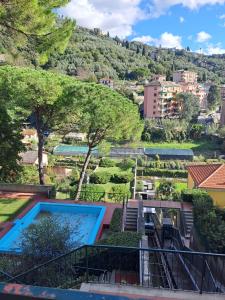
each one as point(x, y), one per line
point(6, 226)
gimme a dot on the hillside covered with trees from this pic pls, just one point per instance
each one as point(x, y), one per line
point(92, 55)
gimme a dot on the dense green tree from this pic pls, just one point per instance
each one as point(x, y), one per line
point(214, 97)
point(106, 116)
point(34, 22)
point(45, 240)
point(38, 93)
point(138, 74)
point(10, 144)
point(196, 131)
point(189, 106)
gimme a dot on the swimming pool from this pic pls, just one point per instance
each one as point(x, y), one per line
point(85, 219)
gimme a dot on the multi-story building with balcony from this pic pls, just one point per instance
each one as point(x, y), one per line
point(160, 95)
point(160, 99)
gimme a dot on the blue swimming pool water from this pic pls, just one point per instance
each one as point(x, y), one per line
point(84, 220)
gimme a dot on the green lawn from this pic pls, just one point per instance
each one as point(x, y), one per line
point(9, 208)
point(108, 186)
point(195, 146)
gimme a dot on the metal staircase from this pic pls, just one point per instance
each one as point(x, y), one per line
point(189, 221)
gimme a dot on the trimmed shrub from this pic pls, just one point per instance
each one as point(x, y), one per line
point(163, 173)
point(139, 186)
point(100, 177)
point(119, 193)
point(122, 177)
point(107, 163)
point(126, 239)
point(126, 164)
point(89, 192)
point(116, 221)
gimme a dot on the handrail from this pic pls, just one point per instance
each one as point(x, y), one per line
point(202, 254)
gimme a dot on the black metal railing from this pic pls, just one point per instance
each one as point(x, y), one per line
point(120, 265)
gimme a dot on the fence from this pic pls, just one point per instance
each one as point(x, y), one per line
point(119, 265)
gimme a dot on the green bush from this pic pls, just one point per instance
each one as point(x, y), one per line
point(126, 164)
point(116, 221)
point(163, 173)
point(100, 177)
point(139, 186)
point(89, 192)
point(122, 177)
point(188, 195)
point(107, 163)
point(119, 193)
point(126, 239)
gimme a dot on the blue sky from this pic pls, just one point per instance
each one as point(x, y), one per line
point(199, 24)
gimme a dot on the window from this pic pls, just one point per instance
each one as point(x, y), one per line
point(154, 106)
point(153, 112)
point(154, 101)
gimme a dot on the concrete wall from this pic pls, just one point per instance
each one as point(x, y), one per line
point(25, 188)
point(191, 183)
point(218, 197)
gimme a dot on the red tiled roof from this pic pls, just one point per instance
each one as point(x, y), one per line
point(200, 173)
point(216, 180)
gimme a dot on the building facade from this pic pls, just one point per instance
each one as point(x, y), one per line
point(160, 95)
point(183, 76)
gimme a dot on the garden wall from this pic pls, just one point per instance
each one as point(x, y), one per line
point(26, 188)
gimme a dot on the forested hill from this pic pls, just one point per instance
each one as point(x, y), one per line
point(92, 55)
point(90, 52)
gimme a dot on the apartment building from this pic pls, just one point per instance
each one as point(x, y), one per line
point(160, 95)
point(183, 76)
point(160, 99)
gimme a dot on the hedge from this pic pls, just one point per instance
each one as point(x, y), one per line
point(116, 221)
point(119, 193)
point(126, 164)
point(100, 177)
point(90, 192)
point(122, 177)
point(107, 162)
point(125, 238)
point(163, 173)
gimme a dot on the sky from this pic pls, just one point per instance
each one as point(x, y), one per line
point(198, 24)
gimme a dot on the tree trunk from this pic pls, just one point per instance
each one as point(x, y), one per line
point(40, 158)
point(82, 174)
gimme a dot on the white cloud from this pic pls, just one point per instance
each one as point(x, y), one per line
point(203, 36)
point(222, 17)
point(117, 16)
point(215, 49)
point(181, 19)
point(145, 39)
point(166, 40)
point(159, 7)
